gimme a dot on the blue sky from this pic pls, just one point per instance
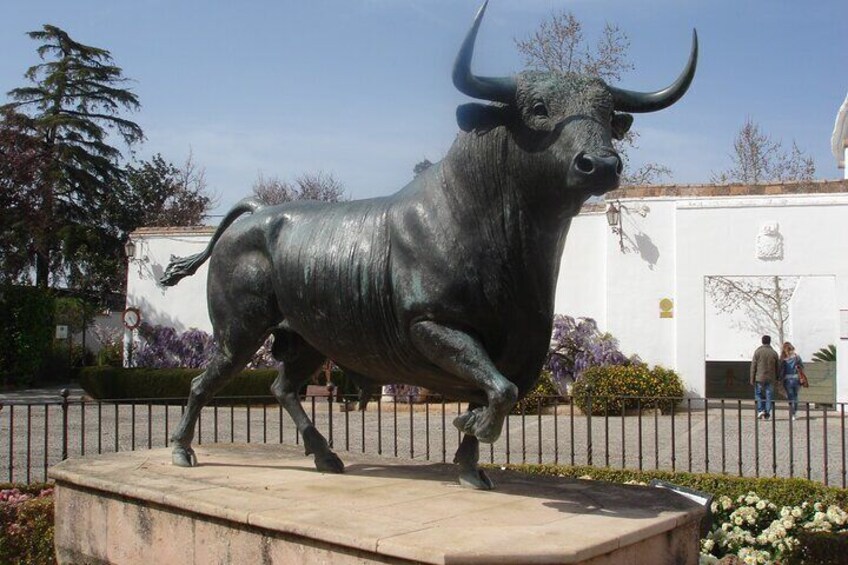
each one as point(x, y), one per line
point(361, 88)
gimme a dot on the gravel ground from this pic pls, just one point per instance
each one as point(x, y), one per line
point(814, 446)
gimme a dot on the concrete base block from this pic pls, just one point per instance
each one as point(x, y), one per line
point(267, 504)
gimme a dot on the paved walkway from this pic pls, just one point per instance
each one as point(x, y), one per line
point(42, 394)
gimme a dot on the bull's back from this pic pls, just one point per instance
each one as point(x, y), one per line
point(330, 264)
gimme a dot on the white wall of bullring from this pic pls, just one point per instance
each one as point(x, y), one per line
point(670, 246)
point(668, 253)
point(182, 306)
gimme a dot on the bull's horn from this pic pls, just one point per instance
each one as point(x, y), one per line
point(641, 102)
point(495, 89)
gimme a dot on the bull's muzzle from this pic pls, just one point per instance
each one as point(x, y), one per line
point(597, 173)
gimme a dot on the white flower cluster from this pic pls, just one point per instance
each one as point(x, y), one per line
point(757, 532)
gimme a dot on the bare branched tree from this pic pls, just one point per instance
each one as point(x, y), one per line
point(758, 158)
point(421, 166)
point(320, 186)
point(558, 45)
point(764, 301)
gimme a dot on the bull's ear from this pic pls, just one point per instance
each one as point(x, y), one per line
point(621, 123)
point(480, 117)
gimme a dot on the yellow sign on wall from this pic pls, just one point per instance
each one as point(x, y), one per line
point(666, 308)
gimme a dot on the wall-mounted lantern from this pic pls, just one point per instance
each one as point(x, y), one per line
point(614, 221)
point(129, 249)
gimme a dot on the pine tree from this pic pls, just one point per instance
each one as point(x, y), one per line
point(73, 108)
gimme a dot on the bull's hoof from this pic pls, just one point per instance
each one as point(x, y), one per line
point(477, 423)
point(329, 463)
point(183, 457)
point(476, 479)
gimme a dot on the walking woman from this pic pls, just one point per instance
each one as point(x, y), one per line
point(791, 368)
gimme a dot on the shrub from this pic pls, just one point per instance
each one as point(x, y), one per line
point(818, 509)
point(577, 344)
point(818, 548)
point(825, 354)
point(783, 492)
point(544, 393)
point(26, 331)
point(163, 348)
point(756, 530)
point(26, 524)
point(607, 385)
point(111, 345)
point(118, 383)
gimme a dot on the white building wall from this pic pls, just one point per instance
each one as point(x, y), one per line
point(668, 252)
point(182, 306)
point(814, 315)
point(720, 239)
point(583, 269)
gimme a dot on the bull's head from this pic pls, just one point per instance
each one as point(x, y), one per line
point(568, 121)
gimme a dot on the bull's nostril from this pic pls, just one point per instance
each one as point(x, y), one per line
point(619, 168)
point(584, 164)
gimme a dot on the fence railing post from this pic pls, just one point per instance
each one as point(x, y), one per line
point(589, 426)
point(65, 393)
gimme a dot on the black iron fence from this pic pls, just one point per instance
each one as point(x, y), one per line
point(692, 434)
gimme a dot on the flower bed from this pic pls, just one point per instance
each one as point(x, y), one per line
point(757, 520)
point(758, 531)
point(26, 524)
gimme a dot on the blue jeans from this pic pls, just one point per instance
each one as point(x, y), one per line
point(760, 390)
point(792, 384)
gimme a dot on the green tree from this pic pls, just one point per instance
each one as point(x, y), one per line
point(559, 45)
point(161, 194)
point(73, 108)
point(21, 160)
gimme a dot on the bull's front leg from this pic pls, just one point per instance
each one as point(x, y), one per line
point(464, 356)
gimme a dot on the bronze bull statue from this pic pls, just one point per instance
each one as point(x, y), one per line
point(447, 284)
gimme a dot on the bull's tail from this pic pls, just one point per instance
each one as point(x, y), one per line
point(181, 267)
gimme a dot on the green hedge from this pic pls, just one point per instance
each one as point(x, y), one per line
point(117, 383)
point(26, 332)
point(818, 548)
point(109, 383)
point(608, 383)
point(781, 491)
point(544, 393)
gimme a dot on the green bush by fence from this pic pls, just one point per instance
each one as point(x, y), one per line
point(26, 332)
point(118, 383)
point(108, 383)
point(819, 548)
point(544, 393)
point(607, 384)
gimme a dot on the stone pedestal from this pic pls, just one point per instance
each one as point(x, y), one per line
point(267, 504)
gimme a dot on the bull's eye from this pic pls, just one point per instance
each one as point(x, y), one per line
point(539, 109)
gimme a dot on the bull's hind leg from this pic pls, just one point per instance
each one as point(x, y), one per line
point(461, 354)
point(300, 361)
point(243, 310)
point(203, 387)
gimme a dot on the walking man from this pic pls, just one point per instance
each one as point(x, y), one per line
point(764, 371)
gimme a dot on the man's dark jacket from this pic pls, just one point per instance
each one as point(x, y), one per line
point(765, 366)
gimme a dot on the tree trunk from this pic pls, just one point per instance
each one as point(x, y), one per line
point(42, 268)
